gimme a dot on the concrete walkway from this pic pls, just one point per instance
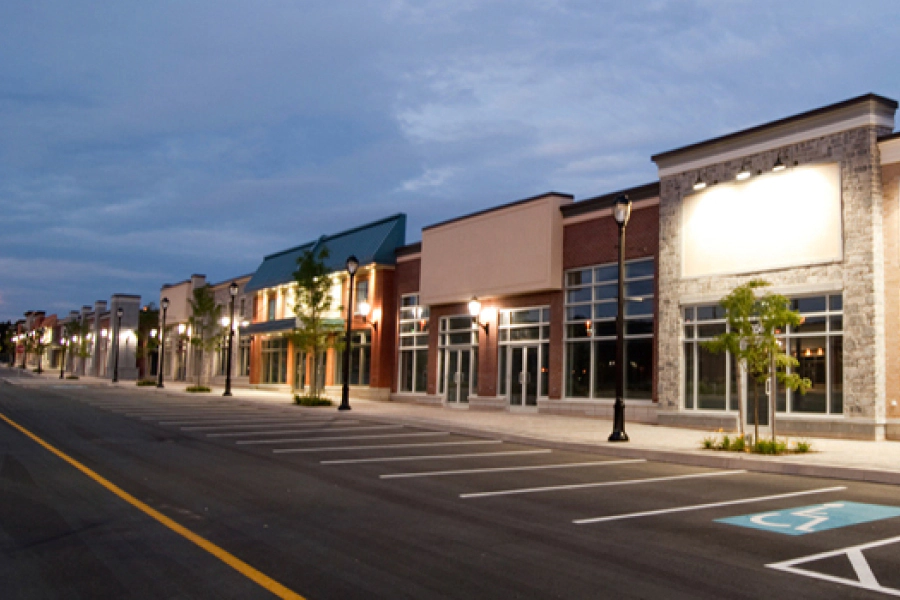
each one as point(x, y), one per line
point(844, 459)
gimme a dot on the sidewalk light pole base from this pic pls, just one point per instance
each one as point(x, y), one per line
point(618, 436)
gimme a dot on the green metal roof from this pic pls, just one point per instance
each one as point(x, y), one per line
point(371, 243)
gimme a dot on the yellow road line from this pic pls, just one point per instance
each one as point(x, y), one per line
point(235, 563)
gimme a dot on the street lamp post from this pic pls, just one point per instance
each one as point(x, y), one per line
point(62, 359)
point(621, 212)
point(161, 349)
point(119, 313)
point(39, 346)
point(352, 266)
point(233, 290)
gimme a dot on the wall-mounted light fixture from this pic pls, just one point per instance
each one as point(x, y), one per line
point(699, 184)
point(364, 309)
point(778, 166)
point(744, 173)
point(476, 314)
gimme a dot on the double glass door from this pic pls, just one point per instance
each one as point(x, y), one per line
point(458, 374)
point(523, 374)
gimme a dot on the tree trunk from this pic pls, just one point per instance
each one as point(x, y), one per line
point(741, 398)
point(755, 411)
point(774, 402)
point(314, 384)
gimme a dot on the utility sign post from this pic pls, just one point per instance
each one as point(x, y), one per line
point(811, 519)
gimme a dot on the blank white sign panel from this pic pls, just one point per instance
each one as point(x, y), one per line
point(785, 219)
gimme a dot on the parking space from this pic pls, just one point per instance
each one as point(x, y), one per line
point(846, 527)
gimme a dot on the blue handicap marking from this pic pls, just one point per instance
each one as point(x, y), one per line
point(819, 517)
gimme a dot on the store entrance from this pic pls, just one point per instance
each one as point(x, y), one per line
point(522, 375)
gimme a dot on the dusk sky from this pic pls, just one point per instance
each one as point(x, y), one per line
point(141, 142)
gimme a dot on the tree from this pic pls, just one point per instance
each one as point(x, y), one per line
point(754, 322)
point(81, 330)
point(312, 334)
point(70, 330)
point(206, 331)
point(39, 347)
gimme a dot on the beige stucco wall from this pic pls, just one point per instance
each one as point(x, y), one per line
point(890, 176)
point(512, 250)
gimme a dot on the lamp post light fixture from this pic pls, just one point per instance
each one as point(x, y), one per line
point(621, 212)
point(233, 290)
point(161, 349)
point(352, 266)
point(119, 313)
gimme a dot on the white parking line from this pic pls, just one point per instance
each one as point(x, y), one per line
point(866, 579)
point(287, 431)
point(204, 416)
point(581, 486)
point(348, 461)
point(384, 446)
point(232, 421)
point(650, 513)
point(341, 438)
point(258, 424)
point(521, 468)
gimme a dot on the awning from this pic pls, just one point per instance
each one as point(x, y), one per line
point(282, 326)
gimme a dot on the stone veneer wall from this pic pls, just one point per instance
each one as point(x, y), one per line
point(860, 275)
point(891, 191)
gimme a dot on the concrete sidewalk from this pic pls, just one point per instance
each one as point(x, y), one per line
point(843, 459)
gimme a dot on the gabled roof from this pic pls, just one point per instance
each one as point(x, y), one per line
point(371, 243)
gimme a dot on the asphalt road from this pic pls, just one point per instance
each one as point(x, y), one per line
point(330, 505)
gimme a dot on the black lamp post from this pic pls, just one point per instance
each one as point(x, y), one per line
point(39, 346)
point(621, 212)
point(119, 313)
point(233, 290)
point(352, 266)
point(161, 349)
point(62, 359)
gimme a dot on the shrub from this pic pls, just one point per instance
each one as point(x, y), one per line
point(312, 400)
point(146, 382)
point(71, 376)
point(770, 447)
point(197, 388)
point(803, 446)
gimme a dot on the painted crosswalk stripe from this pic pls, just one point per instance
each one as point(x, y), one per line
point(650, 513)
point(231, 434)
point(604, 463)
point(342, 438)
point(382, 459)
point(385, 446)
point(581, 486)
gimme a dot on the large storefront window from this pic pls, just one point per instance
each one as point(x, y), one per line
point(274, 360)
point(244, 360)
point(591, 307)
point(712, 380)
point(360, 357)
point(413, 345)
point(524, 351)
point(458, 371)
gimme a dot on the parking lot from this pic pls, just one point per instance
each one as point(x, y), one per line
point(450, 514)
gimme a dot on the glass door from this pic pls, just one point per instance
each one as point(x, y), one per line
point(523, 375)
point(458, 373)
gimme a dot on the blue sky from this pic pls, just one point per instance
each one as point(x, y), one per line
point(141, 142)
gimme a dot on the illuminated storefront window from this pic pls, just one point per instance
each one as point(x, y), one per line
point(591, 330)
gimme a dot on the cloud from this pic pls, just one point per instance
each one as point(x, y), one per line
point(154, 141)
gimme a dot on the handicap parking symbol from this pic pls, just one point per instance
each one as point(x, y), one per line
point(810, 519)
